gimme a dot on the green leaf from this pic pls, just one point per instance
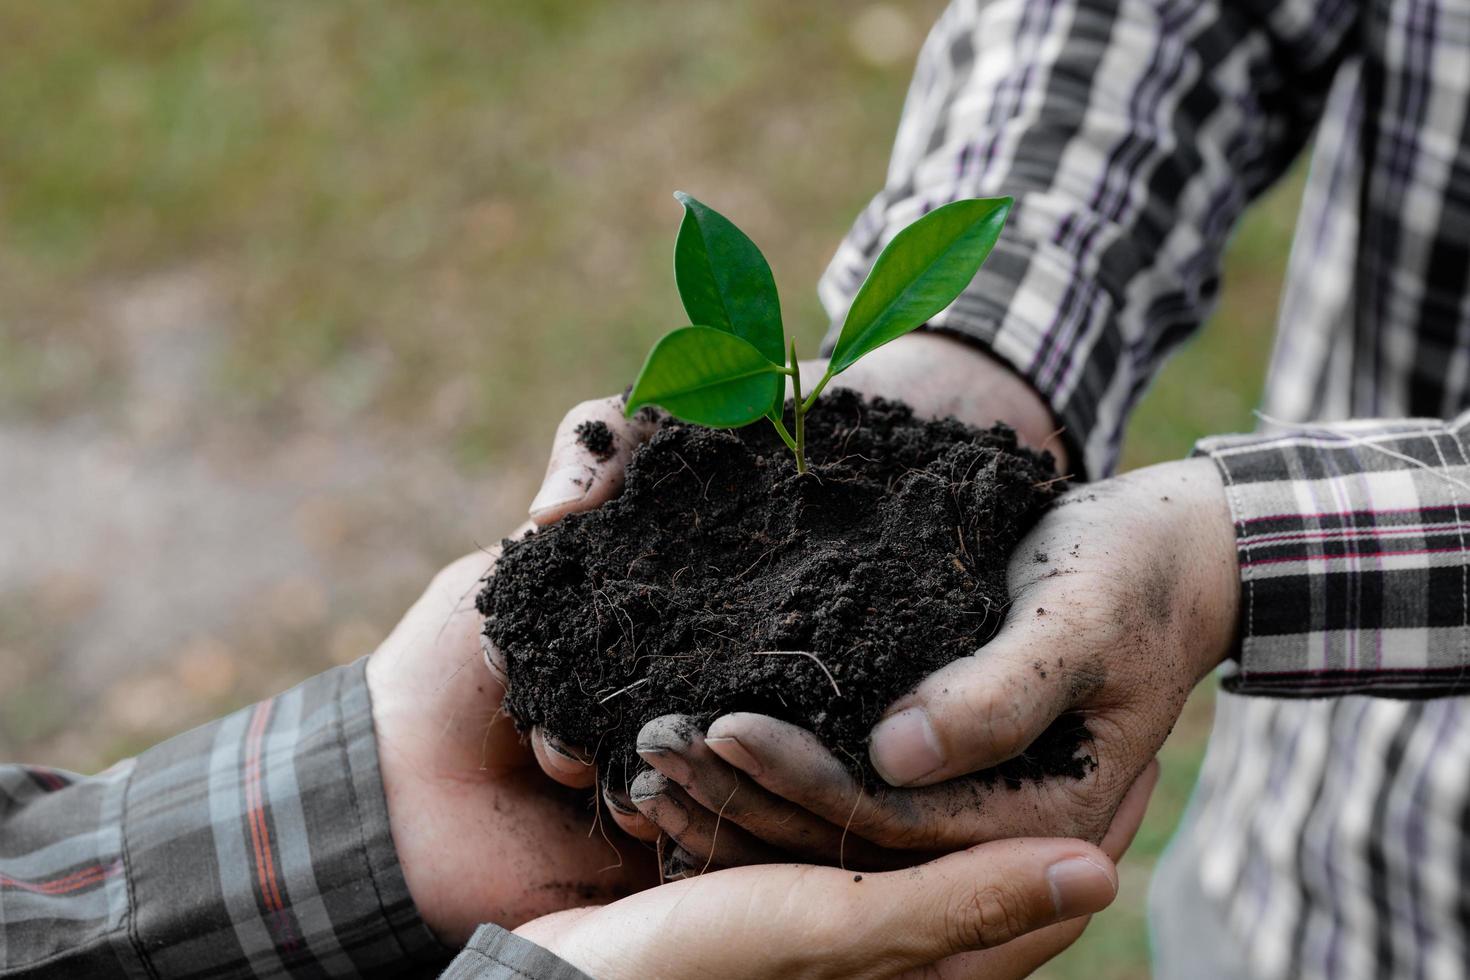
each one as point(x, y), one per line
point(777, 411)
point(921, 272)
point(704, 375)
point(724, 279)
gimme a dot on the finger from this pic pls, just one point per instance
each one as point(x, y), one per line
point(677, 864)
point(582, 472)
point(566, 765)
point(626, 816)
point(697, 830)
point(985, 897)
point(981, 710)
point(1017, 958)
point(675, 747)
point(795, 765)
point(1129, 816)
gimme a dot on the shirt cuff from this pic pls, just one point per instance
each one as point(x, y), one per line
point(494, 954)
point(1354, 559)
point(259, 845)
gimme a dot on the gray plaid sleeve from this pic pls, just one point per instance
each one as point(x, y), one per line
point(257, 845)
point(1354, 558)
point(494, 954)
point(1132, 134)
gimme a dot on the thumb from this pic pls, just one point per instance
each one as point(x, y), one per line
point(986, 708)
point(592, 447)
point(430, 666)
point(979, 899)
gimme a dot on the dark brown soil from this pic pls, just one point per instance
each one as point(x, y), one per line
point(596, 438)
point(886, 562)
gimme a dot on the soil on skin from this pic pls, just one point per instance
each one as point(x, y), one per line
point(886, 562)
point(596, 438)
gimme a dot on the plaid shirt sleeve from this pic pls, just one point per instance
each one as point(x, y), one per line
point(257, 845)
point(1354, 558)
point(1132, 134)
point(495, 954)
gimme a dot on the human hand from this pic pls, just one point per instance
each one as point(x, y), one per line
point(1123, 596)
point(997, 910)
point(481, 834)
point(935, 374)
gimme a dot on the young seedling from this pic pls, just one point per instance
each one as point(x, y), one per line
point(730, 368)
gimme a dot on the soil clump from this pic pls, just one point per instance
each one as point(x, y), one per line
point(596, 438)
point(884, 563)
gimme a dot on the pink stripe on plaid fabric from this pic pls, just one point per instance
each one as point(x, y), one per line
point(1375, 512)
point(1325, 673)
point(50, 779)
point(1351, 555)
point(76, 881)
point(260, 835)
point(1367, 531)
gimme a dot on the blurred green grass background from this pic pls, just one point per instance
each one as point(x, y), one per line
point(430, 226)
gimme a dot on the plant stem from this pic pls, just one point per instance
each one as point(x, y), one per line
point(781, 431)
point(803, 407)
point(800, 447)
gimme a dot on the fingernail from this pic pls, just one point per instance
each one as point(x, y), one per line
point(488, 649)
point(646, 785)
point(566, 485)
point(679, 863)
point(1079, 887)
point(670, 762)
point(616, 801)
point(668, 812)
point(557, 748)
point(904, 748)
point(730, 749)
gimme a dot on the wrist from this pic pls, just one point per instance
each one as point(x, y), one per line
point(407, 815)
point(1203, 536)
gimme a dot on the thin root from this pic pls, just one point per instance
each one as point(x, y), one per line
point(714, 837)
point(802, 653)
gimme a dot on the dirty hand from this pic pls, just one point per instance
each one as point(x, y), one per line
point(481, 834)
point(997, 910)
point(935, 374)
point(1123, 597)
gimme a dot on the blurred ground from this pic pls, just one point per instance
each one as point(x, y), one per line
point(295, 295)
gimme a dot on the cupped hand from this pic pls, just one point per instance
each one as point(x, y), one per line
point(997, 910)
point(1123, 597)
point(936, 375)
point(481, 834)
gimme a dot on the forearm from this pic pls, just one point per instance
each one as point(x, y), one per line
point(1132, 139)
point(1353, 556)
point(257, 845)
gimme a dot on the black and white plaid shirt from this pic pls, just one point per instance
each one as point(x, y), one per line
point(1334, 835)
